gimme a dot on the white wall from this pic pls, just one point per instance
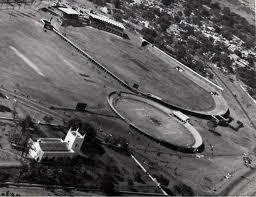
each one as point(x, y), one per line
point(36, 153)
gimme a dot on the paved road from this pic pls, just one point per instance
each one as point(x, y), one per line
point(244, 185)
point(10, 164)
point(222, 82)
point(32, 104)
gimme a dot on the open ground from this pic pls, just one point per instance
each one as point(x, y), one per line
point(135, 65)
point(42, 66)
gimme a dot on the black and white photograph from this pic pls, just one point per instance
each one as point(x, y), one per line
point(127, 97)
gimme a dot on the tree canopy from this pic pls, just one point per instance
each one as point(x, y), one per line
point(167, 2)
point(149, 34)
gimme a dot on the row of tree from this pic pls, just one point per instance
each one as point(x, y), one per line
point(102, 3)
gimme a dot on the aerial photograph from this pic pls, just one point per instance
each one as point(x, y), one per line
point(127, 98)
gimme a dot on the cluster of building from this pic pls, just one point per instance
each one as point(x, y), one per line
point(66, 15)
point(238, 62)
point(236, 44)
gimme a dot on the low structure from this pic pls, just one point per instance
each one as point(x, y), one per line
point(74, 140)
point(66, 15)
point(56, 148)
point(107, 24)
point(182, 117)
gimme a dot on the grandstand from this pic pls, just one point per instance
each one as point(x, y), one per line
point(107, 24)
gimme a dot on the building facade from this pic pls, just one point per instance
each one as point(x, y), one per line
point(44, 149)
point(64, 15)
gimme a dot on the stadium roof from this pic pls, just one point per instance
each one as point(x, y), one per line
point(107, 20)
point(68, 11)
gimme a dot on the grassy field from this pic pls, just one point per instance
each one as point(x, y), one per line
point(39, 64)
point(135, 65)
point(153, 121)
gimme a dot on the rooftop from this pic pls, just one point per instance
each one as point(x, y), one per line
point(54, 146)
point(50, 140)
point(107, 20)
point(68, 11)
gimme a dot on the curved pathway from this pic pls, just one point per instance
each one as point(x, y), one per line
point(164, 132)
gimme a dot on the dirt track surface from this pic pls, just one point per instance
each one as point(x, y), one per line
point(136, 65)
point(149, 117)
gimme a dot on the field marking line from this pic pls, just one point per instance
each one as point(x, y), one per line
point(71, 66)
point(27, 61)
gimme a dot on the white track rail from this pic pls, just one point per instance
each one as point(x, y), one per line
point(198, 141)
point(149, 175)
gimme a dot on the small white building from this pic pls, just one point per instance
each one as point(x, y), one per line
point(65, 15)
point(68, 13)
point(55, 148)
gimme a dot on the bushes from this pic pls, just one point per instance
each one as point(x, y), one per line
point(167, 2)
point(99, 2)
point(138, 178)
point(130, 182)
point(118, 17)
point(5, 109)
point(248, 76)
point(4, 176)
point(183, 190)
point(119, 143)
point(107, 184)
point(149, 34)
point(252, 92)
point(2, 95)
point(164, 21)
point(48, 119)
point(67, 172)
point(162, 180)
